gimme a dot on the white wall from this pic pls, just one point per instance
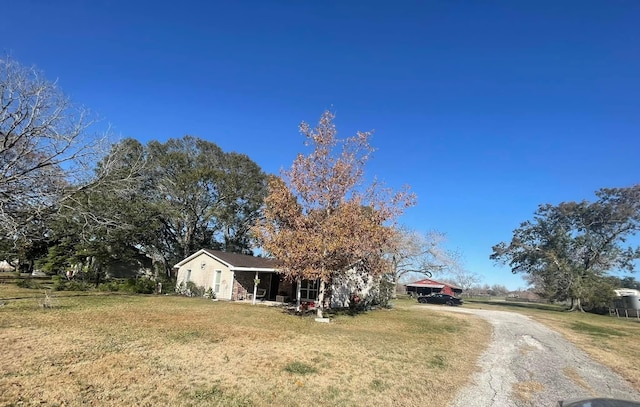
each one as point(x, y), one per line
point(203, 268)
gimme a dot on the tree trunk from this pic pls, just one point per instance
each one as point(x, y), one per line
point(98, 272)
point(298, 288)
point(320, 305)
point(394, 294)
point(576, 305)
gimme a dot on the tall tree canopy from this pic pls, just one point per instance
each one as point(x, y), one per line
point(111, 220)
point(168, 200)
point(206, 197)
point(320, 218)
point(60, 188)
point(568, 248)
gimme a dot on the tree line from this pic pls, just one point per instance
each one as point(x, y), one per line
point(70, 199)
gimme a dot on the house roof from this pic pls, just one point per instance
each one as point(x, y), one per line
point(235, 261)
point(428, 283)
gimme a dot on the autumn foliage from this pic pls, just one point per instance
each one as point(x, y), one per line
point(320, 218)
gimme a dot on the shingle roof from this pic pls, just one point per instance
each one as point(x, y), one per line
point(243, 260)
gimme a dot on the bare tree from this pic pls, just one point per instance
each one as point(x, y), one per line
point(464, 278)
point(418, 253)
point(45, 148)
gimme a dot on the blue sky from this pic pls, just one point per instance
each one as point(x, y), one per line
point(486, 108)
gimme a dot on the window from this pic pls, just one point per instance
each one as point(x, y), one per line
point(188, 277)
point(309, 290)
point(216, 288)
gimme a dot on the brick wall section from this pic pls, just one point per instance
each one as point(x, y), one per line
point(243, 284)
point(238, 292)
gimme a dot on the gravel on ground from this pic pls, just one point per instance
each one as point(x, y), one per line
point(528, 364)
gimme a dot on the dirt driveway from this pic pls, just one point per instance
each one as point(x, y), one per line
point(528, 364)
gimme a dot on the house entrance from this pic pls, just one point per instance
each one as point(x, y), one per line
point(273, 287)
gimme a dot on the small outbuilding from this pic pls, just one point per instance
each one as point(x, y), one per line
point(428, 286)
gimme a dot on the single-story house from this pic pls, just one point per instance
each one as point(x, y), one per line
point(428, 286)
point(230, 276)
point(234, 276)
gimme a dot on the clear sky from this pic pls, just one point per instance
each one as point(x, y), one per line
point(486, 108)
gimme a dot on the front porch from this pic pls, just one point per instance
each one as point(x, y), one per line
point(271, 287)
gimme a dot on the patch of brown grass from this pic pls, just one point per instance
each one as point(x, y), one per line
point(158, 350)
point(525, 391)
point(575, 377)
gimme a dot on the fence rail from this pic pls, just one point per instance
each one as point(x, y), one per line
point(625, 312)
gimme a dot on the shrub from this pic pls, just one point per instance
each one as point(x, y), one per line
point(168, 285)
point(191, 289)
point(145, 286)
point(194, 290)
point(112, 286)
point(27, 283)
point(76, 285)
point(210, 294)
point(59, 283)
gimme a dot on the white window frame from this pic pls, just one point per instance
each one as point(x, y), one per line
point(307, 287)
point(217, 277)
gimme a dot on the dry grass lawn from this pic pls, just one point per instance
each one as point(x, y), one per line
point(609, 340)
point(163, 350)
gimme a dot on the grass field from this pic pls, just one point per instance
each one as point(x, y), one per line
point(164, 350)
point(614, 342)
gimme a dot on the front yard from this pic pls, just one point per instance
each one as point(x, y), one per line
point(165, 350)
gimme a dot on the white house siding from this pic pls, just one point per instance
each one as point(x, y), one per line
point(204, 275)
point(353, 282)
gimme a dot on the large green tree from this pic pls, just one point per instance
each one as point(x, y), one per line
point(166, 200)
point(320, 218)
point(205, 197)
point(568, 248)
point(109, 221)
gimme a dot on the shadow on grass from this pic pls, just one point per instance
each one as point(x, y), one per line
point(331, 312)
point(595, 330)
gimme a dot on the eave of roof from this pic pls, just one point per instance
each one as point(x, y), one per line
point(235, 261)
point(426, 285)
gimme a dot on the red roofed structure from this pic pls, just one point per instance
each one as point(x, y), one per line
point(428, 286)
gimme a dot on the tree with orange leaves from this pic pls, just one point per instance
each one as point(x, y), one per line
point(320, 218)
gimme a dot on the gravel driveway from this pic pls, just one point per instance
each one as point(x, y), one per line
point(528, 364)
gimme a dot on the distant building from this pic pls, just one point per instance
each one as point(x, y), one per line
point(428, 286)
point(627, 299)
